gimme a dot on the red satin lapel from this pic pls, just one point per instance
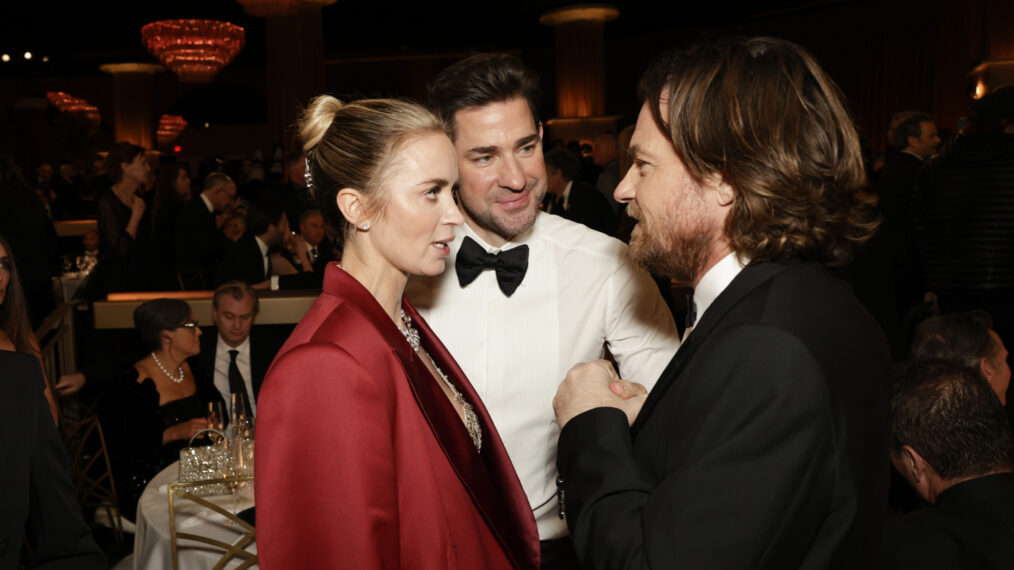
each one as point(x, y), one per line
point(489, 476)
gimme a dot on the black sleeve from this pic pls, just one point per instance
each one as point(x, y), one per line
point(55, 527)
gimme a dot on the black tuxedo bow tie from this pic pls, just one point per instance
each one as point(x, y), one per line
point(510, 265)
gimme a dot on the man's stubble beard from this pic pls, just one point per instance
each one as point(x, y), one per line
point(668, 252)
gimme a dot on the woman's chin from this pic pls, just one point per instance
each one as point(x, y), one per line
point(433, 268)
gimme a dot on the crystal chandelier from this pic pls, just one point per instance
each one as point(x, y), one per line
point(169, 127)
point(69, 104)
point(195, 50)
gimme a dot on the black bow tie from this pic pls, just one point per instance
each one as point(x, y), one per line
point(510, 265)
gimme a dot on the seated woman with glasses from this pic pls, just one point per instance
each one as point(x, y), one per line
point(155, 406)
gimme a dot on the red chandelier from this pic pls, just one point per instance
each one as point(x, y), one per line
point(169, 127)
point(70, 104)
point(195, 50)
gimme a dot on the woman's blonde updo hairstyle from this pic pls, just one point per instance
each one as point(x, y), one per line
point(354, 145)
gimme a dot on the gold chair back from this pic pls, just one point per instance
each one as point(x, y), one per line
point(180, 492)
point(91, 470)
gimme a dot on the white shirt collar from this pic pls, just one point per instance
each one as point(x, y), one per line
point(715, 281)
point(910, 153)
point(207, 203)
point(566, 194)
point(262, 245)
point(224, 348)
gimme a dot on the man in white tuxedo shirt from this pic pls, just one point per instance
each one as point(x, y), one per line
point(532, 294)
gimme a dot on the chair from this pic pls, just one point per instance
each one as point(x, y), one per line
point(179, 492)
point(92, 473)
point(191, 280)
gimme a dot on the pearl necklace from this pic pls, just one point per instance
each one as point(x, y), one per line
point(471, 419)
point(179, 370)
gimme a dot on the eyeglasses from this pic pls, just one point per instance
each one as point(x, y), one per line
point(192, 325)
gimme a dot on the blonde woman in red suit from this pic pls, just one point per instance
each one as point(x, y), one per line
point(373, 450)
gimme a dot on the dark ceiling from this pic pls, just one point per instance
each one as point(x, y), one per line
point(77, 37)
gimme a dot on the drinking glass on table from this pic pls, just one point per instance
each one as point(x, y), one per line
point(239, 420)
point(216, 417)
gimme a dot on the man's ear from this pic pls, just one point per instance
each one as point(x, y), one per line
point(916, 470)
point(986, 368)
point(352, 206)
point(724, 193)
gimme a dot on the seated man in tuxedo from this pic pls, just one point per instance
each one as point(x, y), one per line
point(232, 358)
point(249, 260)
point(200, 244)
point(573, 199)
point(37, 497)
point(965, 339)
point(951, 441)
point(762, 443)
point(319, 249)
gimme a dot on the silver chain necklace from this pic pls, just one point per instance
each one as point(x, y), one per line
point(179, 370)
point(471, 419)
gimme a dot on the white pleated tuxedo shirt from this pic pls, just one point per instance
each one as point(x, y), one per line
point(581, 291)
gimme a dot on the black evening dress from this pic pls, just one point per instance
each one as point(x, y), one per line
point(133, 423)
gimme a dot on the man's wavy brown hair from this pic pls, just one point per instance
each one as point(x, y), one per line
point(762, 114)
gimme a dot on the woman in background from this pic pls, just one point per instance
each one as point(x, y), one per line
point(373, 450)
point(120, 215)
point(155, 406)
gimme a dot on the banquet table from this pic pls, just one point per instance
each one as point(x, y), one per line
point(153, 541)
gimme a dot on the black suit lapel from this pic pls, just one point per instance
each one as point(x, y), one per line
point(747, 280)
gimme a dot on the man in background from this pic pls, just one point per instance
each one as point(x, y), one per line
point(572, 199)
point(200, 245)
point(951, 441)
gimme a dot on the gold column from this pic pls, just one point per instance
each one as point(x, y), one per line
point(133, 118)
point(295, 69)
point(580, 70)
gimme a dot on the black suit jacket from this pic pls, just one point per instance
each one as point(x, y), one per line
point(586, 205)
point(325, 255)
point(263, 348)
point(243, 261)
point(970, 526)
point(763, 444)
point(200, 246)
point(36, 492)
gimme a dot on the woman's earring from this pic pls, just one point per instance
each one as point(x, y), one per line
point(366, 226)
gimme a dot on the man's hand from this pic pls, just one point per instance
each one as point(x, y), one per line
point(70, 383)
point(595, 384)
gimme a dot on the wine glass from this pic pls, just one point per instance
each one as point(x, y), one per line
point(240, 422)
point(216, 417)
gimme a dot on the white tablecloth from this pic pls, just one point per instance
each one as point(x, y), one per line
point(152, 540)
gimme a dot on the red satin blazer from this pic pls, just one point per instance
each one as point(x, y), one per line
point(361, 460)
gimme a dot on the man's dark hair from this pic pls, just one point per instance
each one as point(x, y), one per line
point(479, 80)
point(910, 127)
point(262, 214)
point(950, 415)
point(959, 338)
point(761, 114)
point(563, 160)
